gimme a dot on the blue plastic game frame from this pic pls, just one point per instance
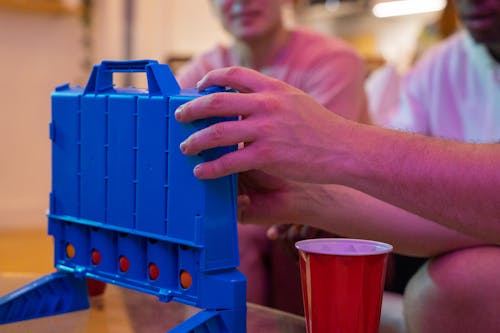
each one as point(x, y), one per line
point(126, 209)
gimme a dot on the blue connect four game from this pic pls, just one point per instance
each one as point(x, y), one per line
point(125, 208)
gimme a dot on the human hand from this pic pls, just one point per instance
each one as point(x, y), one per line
point(286, 133)
point(264, 199)
point(291, 232)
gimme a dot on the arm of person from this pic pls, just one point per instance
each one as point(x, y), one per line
point(346, 212)
point(290, 135)
point(449, 182)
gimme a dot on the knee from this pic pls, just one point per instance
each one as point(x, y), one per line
point(456, 292)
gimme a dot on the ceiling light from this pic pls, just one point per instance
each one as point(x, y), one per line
point(407, 7)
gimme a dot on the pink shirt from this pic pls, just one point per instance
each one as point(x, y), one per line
point(326, 68)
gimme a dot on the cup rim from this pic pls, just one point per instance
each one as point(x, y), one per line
point(380, 247)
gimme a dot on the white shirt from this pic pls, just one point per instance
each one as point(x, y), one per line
point(452, 93)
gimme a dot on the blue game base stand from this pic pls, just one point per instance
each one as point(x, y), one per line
point(52, 294)
point(126, 209)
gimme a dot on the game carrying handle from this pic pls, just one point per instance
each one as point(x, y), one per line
point(161, 81)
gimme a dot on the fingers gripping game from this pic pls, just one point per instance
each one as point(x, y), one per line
point(126, 209)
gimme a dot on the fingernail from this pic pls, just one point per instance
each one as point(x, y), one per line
point(197, 170)
point(199, 83)
point(178, 112)
point(183, 146)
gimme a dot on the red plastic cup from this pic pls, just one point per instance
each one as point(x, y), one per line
point(342, 284)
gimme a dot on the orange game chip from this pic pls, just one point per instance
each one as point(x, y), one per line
point(186, 279)
point(70, 250)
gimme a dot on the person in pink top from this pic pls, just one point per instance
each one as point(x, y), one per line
point(326, 68)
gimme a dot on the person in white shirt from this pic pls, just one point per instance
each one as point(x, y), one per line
point(453, 93)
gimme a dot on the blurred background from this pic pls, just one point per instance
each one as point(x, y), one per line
point(45, 43)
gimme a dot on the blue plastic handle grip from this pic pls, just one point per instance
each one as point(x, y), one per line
point(125, 66)
point(160, 79)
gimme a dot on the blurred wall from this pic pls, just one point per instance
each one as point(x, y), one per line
point(38, 52)
point(392, 39)
point(175, 27)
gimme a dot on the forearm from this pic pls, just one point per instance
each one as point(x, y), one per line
point(351, 213)
point(454, 184)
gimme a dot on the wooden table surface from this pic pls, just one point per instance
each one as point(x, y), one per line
point(123, 310)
